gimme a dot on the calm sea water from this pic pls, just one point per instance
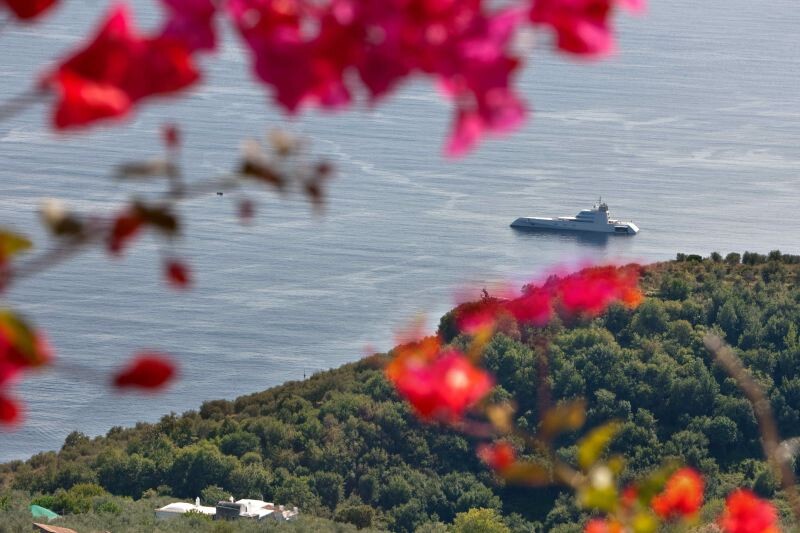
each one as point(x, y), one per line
point(692, 132)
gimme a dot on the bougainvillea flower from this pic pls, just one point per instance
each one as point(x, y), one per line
point(476, 317)
point(147, 370)
point(593, 289)
point(10, 411)
point(177, 274)
point(192, 23)
point(116, 70)
point(497, 456)
point(682, 495)
point(598, 525)
point(481, 81)
point(27, 9)
point(301, 69)
point(412, 355)
point(445, 388)
point(535, 306)
point(582, 27)
point(746, 513)
point(126, 226)
point(460, 45)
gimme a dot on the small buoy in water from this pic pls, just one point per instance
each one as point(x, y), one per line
point(219, 194)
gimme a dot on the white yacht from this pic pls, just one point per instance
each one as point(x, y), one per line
point(595, 220)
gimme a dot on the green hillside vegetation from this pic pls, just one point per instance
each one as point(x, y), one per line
point(343, 447)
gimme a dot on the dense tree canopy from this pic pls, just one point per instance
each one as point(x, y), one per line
point(341, 446)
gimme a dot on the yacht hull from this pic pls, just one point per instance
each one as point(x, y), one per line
point(536, 223)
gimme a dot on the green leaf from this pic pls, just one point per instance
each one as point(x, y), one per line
point(591, 447)
point(12, 243)
point(603, 499)
point(527, 473)
point(644, 522)
point(20, 335)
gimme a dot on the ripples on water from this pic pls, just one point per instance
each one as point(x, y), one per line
point(691, 132)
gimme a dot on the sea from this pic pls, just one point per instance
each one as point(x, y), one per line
point(691, 130)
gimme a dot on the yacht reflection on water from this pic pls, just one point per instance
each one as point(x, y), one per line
point(582, 238)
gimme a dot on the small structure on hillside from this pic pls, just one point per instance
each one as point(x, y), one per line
point(179, 508)
point(254, 509)
point(245, 508)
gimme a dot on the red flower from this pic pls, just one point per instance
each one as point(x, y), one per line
point(177, 274)
point(535, 306)
point(116, 70)
point(459, 44)
point(126, 226)
point(192, 23)
point(10, 412)
point(476, 317)
point(412, 355)
point(593, 289)
point(598, 525)
point(497, 456)
point(28, 9)
point(682, 495)
point(746, 513)
point(589, 291)
point(582, 26)
point(444, 388)
point(147, 370)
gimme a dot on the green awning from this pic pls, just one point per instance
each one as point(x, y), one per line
point(40, 512)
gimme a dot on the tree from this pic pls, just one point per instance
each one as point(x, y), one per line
point(479, 521)
point(239, 443)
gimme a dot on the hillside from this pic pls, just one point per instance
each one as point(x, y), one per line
point(341, 446)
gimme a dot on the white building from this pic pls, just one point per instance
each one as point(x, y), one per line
point(253, 509)
point(259, 510)
point(179, 508)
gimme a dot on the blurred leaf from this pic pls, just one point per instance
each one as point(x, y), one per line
point(59, 220)
point(567, 416)
point(500, 415)
point(261, 171)
point(527, 473)
point(145, 169)
point(283, 143)
point(644, 522)
point(158, 216)
point(616, 464)
point(21, 336)
point(69, 226)
point(592, 445)
point(600, 498)
point(12, 243)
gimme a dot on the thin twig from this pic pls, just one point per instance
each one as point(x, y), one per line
point(770, 438)
point(98, 228)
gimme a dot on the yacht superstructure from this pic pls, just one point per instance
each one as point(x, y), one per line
point(594, 220)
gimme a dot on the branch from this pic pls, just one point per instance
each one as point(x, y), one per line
point(774, 451)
